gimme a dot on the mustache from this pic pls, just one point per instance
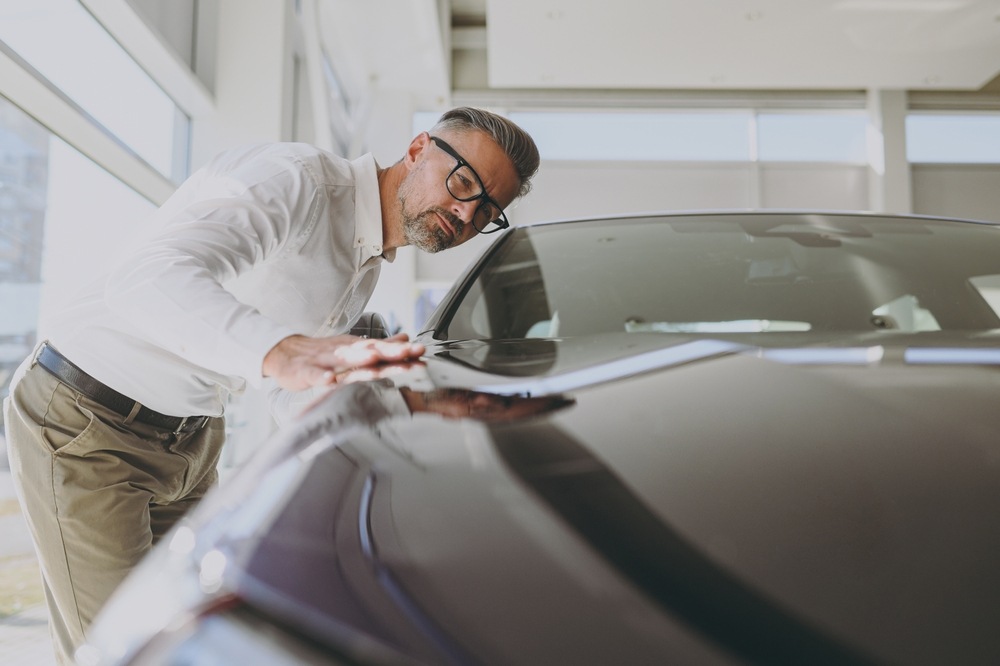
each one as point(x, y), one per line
point(457, 223)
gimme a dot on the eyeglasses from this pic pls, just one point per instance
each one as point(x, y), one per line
point(464, 184)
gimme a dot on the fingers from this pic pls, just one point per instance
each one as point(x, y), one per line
point(400, 350)
point(299, 362)
point(306, 377)
point(375, 372)
point(371, 352)
point(371, 359)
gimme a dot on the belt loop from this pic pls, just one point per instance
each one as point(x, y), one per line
point(132, 413)
point(38, 352)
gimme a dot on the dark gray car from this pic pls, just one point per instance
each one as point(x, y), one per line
point(668, 439)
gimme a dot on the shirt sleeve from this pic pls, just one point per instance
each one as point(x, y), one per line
point(217, 226)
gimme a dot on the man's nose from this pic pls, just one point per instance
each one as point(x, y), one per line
point(465, 209)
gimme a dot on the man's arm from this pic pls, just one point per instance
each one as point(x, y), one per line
point(224, 221)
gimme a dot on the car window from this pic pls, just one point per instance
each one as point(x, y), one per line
point(750, 273)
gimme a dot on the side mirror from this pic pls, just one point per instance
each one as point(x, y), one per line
point(371, 325)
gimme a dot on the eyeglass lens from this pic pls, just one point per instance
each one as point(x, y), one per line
point(465, 186)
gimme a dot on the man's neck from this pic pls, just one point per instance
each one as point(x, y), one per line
point(389, 180)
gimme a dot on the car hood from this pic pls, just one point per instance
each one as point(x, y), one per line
point(688, 499)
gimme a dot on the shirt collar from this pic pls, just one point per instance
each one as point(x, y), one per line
point(368, 210)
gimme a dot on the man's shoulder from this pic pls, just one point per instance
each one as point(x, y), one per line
point(282, 149)
point(309, 160)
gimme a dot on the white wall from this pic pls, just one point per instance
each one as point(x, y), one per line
point(387, 132)
point(573, 189)
point(815, 186)
point(253, 78)
point(958, 190)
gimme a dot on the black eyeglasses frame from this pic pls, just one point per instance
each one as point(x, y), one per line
point(498, 224)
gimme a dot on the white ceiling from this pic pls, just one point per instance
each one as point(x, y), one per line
point(387, 44)
point(768, 44)
point(436, 47)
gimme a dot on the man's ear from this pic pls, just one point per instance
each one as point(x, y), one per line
point(416, 148)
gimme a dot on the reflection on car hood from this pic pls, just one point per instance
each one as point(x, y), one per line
point(691, 500)
point(815, 472)
point(545, 366)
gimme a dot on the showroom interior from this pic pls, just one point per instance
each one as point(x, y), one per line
point(106, 106)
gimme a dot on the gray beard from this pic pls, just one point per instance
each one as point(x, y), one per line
point(423, 232)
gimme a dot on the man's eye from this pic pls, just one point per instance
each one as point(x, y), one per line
point(461, 187)
point(490, 212)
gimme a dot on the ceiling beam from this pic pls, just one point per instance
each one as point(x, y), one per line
point(27, 89)
point(151, 52)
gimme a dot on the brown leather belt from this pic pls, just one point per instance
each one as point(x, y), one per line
point(65, 371)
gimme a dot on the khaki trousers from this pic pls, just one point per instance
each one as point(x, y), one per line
point(97, 493)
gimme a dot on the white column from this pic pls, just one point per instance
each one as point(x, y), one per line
point(386, 132)
point(254, 72)
point(253, 78)
point(889, 170)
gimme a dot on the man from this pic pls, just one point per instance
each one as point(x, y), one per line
point(265, 258)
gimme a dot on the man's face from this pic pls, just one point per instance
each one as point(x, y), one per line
point(433, 219)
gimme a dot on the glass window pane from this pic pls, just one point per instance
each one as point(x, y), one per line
point(962, 138)
point(24, 148)
point(91, 218)
point(62, 218)
point(732, 274)
point(812, 137)
point(639, 136)
point(70, 49)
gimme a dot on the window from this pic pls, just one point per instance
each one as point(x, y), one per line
point(23, 189)
point(954, 137)
point(734, 274)
point(703, 135)
point(122, 98)
point(58, 212)
point(676, 136)
point(812, 137)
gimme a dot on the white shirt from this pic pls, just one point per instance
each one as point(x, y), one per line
point(263, 242)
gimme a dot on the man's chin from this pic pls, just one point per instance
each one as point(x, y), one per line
point(430, 249)
point(431, 239)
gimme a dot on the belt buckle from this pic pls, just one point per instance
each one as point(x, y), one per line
point(198, 421)
point(182, 426)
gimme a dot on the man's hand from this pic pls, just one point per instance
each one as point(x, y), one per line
point(299, 362)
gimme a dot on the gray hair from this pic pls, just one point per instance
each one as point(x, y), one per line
point(515, 142)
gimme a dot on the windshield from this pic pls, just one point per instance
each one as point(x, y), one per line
point(732, 274)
